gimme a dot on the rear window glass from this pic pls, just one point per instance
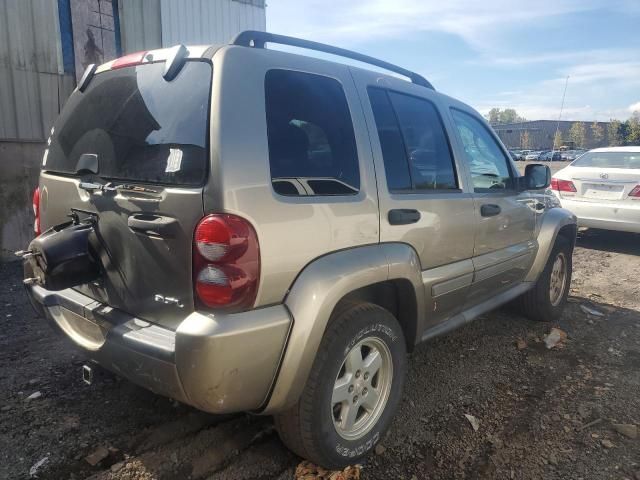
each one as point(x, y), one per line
point(609, 160)
point(312, 147)
point(141, 127)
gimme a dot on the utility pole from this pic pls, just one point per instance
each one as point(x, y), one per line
point(553, 147)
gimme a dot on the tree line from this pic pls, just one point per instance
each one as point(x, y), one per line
point(616, 133)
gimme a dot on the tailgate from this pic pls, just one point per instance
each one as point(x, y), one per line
point(149, 136)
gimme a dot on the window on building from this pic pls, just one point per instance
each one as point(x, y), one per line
point(487, 162)
point(312, 147)
point(414, 144)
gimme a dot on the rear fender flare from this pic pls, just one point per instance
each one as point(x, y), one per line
point(314, 295)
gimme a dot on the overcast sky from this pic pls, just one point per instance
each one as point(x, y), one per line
point(492, 53)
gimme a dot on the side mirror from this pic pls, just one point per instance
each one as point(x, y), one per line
point(536, 177)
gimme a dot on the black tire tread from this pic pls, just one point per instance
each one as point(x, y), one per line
point(534, 303)
point(294, 425)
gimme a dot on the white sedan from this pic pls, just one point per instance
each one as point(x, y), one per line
point(602, 188)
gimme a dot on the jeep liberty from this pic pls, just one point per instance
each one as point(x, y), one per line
point(244, 229)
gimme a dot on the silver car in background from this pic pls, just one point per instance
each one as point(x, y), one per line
point(602, 188)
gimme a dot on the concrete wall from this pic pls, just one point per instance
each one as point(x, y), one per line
point(19, 169)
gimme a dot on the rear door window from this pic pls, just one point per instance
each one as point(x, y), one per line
point(312, 147)
point(415, 148)
point(141, 127)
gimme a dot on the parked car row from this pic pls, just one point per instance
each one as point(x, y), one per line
point(546, 155)
point(571, 155)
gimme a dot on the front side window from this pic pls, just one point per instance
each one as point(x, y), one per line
point(414, 145)
point(487, 162)
point(312, 146)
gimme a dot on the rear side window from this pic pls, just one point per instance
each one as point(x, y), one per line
point(141, 127)
point(312, 147)
point(414, 144)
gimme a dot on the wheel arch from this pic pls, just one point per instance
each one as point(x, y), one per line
point(556, 221)
point(326, 285)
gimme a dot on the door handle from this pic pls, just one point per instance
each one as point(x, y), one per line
point(490, 210)
point(403, 216)
point(153, 224)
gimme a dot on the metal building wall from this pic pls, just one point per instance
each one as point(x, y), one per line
point(542, 132)
point(209, 21)
point(140, 27)
point(33, 85)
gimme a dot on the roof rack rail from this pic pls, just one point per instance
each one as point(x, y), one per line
point(256, 39)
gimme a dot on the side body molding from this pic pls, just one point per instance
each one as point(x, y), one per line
point(316, 292)
point(552, 221)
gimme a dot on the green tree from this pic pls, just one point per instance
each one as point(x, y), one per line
point(633, 130)
point(614, 133)
point(508, 115)
point(557, 140)
point(493, 116)
point(597, 134)
point(577, 134)
point(525, 140)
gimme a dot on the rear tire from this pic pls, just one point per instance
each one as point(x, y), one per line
point(353, 389)
point(547, 299)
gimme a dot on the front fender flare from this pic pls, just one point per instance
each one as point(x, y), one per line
point(552, 222)
point(314, 295)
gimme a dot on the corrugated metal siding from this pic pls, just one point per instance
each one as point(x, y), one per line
point(33, 86)
point(140, 25)
point(207, 21)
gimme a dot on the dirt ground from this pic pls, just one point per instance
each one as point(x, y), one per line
point(542, 413)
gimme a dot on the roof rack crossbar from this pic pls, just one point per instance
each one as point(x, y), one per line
point(256, 39)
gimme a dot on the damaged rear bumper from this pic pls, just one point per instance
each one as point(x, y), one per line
point(217, 363)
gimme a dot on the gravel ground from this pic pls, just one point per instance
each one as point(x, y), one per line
point(542, 413)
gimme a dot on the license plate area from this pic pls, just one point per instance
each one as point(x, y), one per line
point(602, 191)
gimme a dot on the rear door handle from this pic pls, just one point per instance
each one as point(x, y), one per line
point(153, 224)
point(490, 210)
point(403, 216)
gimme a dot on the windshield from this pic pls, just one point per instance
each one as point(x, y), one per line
point(609, 160)
point(140, 126)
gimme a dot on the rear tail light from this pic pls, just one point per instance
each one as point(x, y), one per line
point(635, 192)
point(226, 262)
point(562, 185)
point(35, 202)
point(128, 60)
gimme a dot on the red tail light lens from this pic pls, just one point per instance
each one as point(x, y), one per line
point(128, 60)
point(226, 262)
point(562, 185)
point(635, 192)
point(36, 211)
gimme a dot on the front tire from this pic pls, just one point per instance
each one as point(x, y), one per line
point(353, 389)
point(547, 299)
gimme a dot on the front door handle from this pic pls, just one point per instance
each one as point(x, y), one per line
point(490, 210)
point(403, 216)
